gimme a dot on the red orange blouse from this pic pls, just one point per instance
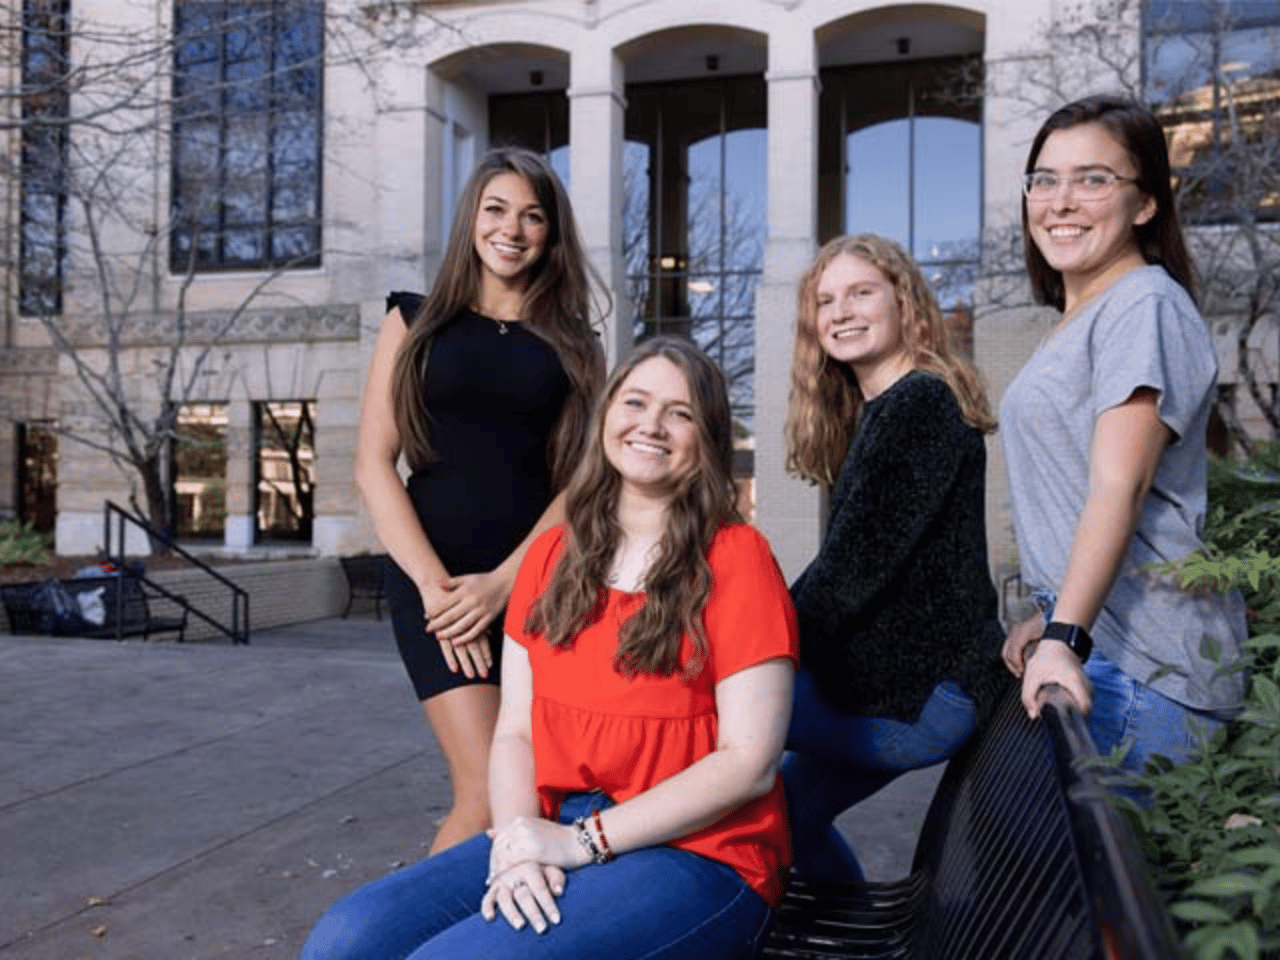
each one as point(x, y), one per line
point(595, 729)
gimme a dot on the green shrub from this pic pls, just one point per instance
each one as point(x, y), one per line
point(20, 544)
point(1212, 832)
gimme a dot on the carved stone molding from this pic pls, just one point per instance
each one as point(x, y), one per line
point(38, 361)
point(309, 324)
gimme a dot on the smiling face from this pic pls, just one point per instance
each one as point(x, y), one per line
point(1091, 243)
point(650, 432)
point(510, 232)
point(859, 322)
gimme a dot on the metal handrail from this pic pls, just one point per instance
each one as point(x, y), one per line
point(1131, 914)
point(238, 631)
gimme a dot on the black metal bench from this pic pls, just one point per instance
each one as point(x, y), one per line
point(364, 579)
point(126, 611)
point(1021, 857)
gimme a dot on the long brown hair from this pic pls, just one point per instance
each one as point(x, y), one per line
point(557, 307)
point(825, 396)
point(678, 581)
point(1138, 130)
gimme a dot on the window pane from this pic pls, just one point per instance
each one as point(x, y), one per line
point(947, 188)
point(285, 468)
point(250, 167)
point(200, 471)
point(877, 181)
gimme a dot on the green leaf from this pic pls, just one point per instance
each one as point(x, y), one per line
point(1224, 885)
point(1197, 911)
point(1240, 938)
point(1265, 856)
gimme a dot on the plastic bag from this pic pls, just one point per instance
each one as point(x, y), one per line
point(92, 608)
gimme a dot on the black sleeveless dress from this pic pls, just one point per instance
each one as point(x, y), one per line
point(494, 398)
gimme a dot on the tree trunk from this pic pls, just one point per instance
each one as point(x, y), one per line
point(159, 505)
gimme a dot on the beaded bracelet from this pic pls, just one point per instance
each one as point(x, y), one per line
point(604, 841)
point(587, 842)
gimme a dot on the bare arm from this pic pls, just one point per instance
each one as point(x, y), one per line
point(377, 450)
point(1127, 443)
point(512, 788)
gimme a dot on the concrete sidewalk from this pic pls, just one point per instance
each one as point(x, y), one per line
point(196, 801)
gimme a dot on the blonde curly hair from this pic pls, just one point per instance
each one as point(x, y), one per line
point(825, 396)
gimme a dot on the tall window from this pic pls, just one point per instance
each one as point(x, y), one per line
point(694, 218)
point(901, 147)
point(247, 117)
point(42, 237)
point(200, 472)
point(284, 437)
point(1212, 72)
point(38, 474)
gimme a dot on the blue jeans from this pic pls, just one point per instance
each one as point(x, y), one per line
point(657, 903)
point(838, 759)
point(1124, 708)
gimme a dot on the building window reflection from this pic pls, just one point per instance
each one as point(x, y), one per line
point(284, 470)
point(694, 218)
point(1212, 72)
point(900, 154)
point(200, 472)
point(45, 102)
point(247, 111)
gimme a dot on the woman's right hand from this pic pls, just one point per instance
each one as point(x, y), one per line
point(473, 658)
point(526, 891)
point(1021, 643)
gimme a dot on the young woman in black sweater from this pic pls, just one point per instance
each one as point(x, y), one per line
point(900, 644)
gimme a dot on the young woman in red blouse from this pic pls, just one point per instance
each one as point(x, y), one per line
point(646, 688)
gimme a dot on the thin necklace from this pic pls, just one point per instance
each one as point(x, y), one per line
point(502, 324)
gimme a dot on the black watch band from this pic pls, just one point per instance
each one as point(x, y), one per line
point(1077, 638)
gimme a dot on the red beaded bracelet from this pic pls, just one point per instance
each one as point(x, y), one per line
point(604, 841)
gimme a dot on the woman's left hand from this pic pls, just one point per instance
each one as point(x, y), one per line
point(534, 840)
point(1053, 662)
point(525, 892)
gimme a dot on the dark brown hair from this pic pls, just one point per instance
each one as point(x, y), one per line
point(557, 307)
point(1138, 130)
point(825, 396)
point(678, 582)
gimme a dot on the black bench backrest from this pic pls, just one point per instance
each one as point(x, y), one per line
point(1025, 856)
point(1021, 857)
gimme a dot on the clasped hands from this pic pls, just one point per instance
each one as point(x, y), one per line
point(459, 611)
point(527, 864)
point(1040, 664)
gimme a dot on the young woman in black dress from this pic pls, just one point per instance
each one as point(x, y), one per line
point(486, 386)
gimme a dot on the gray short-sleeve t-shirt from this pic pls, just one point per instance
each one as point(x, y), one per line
point(1142, 332)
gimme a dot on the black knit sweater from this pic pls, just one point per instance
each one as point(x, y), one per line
point(899, 597)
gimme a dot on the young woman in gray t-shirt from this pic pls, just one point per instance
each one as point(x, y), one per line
point(1104, 434)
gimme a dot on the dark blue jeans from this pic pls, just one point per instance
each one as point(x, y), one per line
point(837, 759)
point(658, 903)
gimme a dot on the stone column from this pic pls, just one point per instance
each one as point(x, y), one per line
point(238, 532)
point(788, 511)
point(596, 110)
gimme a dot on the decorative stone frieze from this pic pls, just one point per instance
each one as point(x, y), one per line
point(336, 321)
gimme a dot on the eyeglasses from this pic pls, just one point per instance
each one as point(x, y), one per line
point(1090, 185)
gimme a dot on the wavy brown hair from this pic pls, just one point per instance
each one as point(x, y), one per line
point(678, 581)
point(1138, 130)
point(557, 307)
point(825, 396)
